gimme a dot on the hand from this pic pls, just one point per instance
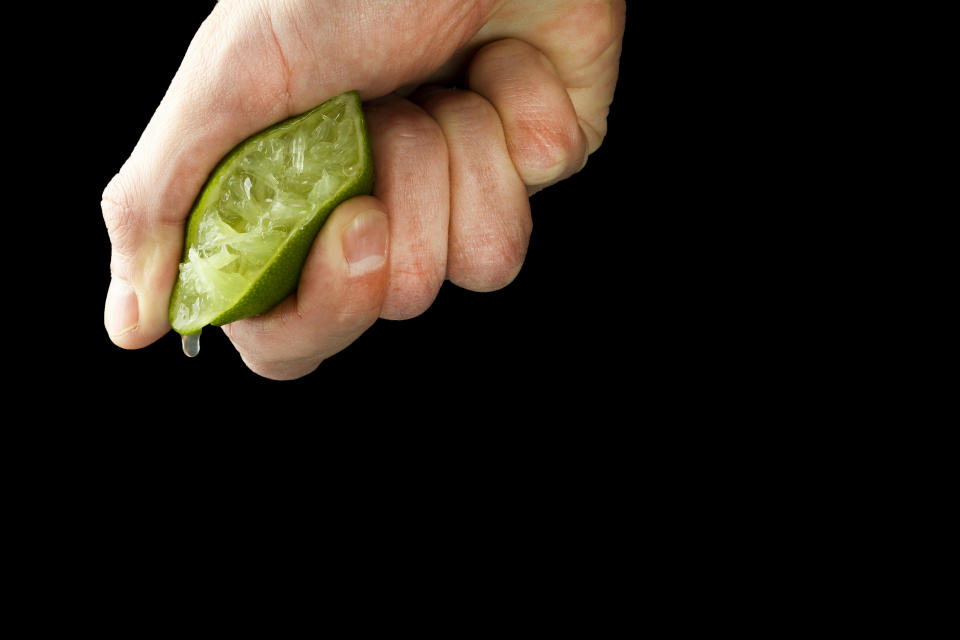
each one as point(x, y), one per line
point(454, 167)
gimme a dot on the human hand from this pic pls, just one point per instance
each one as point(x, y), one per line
point(455, 167)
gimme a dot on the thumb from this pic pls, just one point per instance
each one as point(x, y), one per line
point(203, 115)
point(143, 264)
point(229, 85)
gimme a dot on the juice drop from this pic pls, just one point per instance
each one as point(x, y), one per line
point(191, 344)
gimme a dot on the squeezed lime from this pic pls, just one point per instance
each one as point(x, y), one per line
point(253, 224)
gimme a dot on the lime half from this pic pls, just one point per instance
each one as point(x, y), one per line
point(253, 224)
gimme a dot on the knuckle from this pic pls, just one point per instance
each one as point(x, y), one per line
point(282, 369)
point(544, 145)
point(500, 52)
point(488, 263)
point(599, 24)
point(542, 132)
point(413, 289)
point(119, 215)
point(352, 320)
point(406, 124)
point(594, 128)
point(267, 352)
point(463, 107)
point(356, 308)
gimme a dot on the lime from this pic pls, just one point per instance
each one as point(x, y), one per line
point(253, 224)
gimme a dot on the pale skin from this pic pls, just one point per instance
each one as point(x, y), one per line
point(455, 167)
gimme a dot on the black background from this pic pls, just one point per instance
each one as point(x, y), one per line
point(566, 325)
point(561, 386)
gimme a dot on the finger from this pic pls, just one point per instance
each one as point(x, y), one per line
point(539, 121)
point(582, 39)
point(584, 44)
point(211, 105)
point(143, 265)
point(342, 288)
point(410, 157)
point(489, 209)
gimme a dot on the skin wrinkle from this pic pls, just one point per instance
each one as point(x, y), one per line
point(473, 15)
point(373, 48)
point(299, 19)
point(415, 228)
point(119, 220)
point(594, 137)
point(612, 51)
point(593, 103)
point(285, 69)
point(564, 38)
point(540, 139)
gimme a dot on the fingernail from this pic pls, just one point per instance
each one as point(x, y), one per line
point(121, 314)
point(365, 242)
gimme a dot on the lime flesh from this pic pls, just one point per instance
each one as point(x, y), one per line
point(253, 224)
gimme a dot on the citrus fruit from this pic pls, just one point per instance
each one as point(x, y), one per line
point(253, 224)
